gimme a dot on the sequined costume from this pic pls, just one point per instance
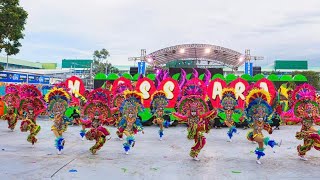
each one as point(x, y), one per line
point(193, 109)
point(11, 99)
point(58, 101)
point(98, 113)
point(130, 124)
point(307, 109)
point(31, 106)
point(158, 105)
point(117, 100)
point(258, 113)
point(228, 113)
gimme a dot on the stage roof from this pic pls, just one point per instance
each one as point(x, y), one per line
point(203, 52)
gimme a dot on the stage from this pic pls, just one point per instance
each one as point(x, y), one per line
point(151, 158)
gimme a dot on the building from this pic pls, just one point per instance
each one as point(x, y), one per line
point(12, 63)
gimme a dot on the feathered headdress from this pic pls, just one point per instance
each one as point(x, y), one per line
point(304, 91)
point(35, 104)
point(96, 108)
point(29, 91)
point(133, 100)
point(57, 99)
point(228, 97)
point(305, 104)
point(159, 100)
point(11, 98)
point(192, 103)
point(12, 89)
point(258, 103)
point(193, 87)
point(117, 100)
point(99, 94)
point(31, 99)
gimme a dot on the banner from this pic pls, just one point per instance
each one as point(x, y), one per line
point(13, 77)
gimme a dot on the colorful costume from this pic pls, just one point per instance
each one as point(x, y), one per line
point(31, 106)
point(117, 100)
point(307, 109)
point(158, 104)
point(58, 99)
point(130, 123)
point(258, 112)
point(11, 100)
point(228, 113)
point(195, 111)
point(98, 112)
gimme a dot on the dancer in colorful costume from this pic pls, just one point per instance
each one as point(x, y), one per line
point(228, 113)
point(130, 123)
point(58, 100)
point(98, 112)
point(117, 100)
point(11, 100)
point(193, 109)
point(158, 105)
point(31, 106)
point(306, 108)
point(258, 113)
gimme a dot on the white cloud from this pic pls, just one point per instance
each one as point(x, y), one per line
point(269, 28)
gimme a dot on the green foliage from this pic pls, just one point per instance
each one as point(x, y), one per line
point(188, 76)
point(100, 76)
point(273, 77)
point(257, 77)
point(220, 76)
point(12, 24)
point(112, 77)
point(127, 76)
point(286, 78)
point(230, 77)
point(201, 77)
point(152, 77)
point(1, 68)
point(247, 77)
point(312, 77)
point(100, 62)
point(135, 77)
point(176, 76)
point(300, 78)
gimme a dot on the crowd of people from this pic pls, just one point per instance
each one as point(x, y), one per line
point(94, 111)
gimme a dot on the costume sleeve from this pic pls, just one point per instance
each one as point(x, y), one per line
point(138, 125)
point(180, 116)
point(122, 122)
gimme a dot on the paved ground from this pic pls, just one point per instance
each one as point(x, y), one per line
point(151, 158)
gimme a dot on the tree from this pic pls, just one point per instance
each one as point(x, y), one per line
point(100, 62)
point(312, 76)
point(12, 24)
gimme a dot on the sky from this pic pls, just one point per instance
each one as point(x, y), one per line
point(73, 29)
